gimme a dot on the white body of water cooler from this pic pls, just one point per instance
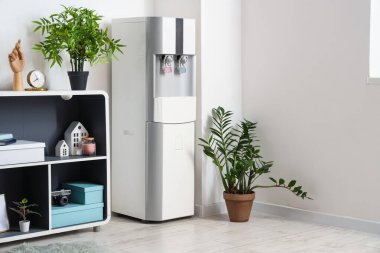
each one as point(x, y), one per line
point(153, 118)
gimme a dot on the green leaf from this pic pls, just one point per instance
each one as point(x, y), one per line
point(273, 180)
point(281, 181)
point(296, 189)
point(292, 183)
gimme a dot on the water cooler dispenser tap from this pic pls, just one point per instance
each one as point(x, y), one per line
point(167, 64)
point(181, 64)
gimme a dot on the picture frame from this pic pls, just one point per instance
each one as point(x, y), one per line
point(4, 222)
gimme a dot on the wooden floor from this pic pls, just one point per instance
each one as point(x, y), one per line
point(263, 233)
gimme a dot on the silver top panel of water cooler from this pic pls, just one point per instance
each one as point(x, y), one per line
point(168, 36)
point(173, 37)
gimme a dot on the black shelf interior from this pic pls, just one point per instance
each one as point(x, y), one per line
point(30, 183)
point(94, 171)
point(45, 118)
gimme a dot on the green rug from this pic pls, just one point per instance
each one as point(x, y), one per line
point(77, 247)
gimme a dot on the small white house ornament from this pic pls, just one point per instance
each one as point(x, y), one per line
point(73, 137)
point(62, 149)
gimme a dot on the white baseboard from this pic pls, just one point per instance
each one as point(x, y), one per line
point(297, 215)
point(210, 210)
point(318, 217)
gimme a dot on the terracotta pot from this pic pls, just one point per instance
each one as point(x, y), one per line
point(239, 206)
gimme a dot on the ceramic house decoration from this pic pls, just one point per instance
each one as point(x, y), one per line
point(62, 149)
point(73, 137)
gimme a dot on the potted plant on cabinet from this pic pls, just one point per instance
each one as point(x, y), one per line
point(23, 209)
point(76, 31)
point(237, 156)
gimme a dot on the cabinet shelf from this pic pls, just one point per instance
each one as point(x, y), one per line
point(72, 159)
point(14, 232)
point(44, 117)
point(55, 160)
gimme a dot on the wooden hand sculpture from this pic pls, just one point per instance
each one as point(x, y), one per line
point(17, 63)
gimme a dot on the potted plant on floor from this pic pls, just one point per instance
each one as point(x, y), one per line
point(237, 156)
point(76, 31)
point(23, 209)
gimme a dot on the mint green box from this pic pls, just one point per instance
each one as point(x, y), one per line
point(85, 193)
point(74, 214)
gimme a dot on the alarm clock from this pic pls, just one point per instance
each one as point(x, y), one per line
point(36, 79)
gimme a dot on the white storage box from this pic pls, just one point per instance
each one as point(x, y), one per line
point(22, 152)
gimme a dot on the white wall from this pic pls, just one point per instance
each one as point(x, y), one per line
point(305, 65)
point(16, 19)
point(375, 39)
point(221, 78)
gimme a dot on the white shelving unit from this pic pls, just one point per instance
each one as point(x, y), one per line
point(43, 117)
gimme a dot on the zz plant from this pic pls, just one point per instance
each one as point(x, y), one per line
point(76, 31)
point(237, 156)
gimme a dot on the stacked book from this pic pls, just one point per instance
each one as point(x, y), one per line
point(6, 139)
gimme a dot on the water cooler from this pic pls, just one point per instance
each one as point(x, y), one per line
point(153, 118)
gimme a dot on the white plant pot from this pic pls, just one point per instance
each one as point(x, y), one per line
point(24, 226)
